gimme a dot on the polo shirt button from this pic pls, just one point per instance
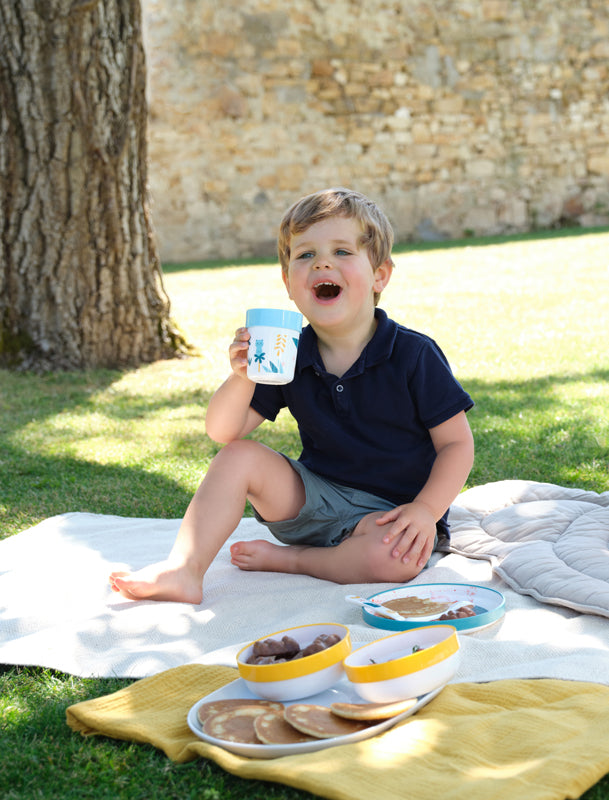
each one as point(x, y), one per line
point(340, 387)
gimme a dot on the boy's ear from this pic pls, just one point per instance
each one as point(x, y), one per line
point(286, 282)
point(382, 274)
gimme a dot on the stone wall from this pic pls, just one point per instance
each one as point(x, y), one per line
point(459, 117)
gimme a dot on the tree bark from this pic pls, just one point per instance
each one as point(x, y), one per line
point(80, 277)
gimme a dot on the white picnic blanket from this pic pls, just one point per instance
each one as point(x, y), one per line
point(57, 610)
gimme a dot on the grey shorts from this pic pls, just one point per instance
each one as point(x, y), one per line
point(330, 512)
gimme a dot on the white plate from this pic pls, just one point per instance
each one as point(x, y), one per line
point(342, 692)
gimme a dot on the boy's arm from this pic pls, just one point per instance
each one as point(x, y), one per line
point(229, 414)
point(454, 446)
point(414, 525)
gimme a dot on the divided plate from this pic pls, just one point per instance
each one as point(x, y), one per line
point(342, 692)
point(489, 605)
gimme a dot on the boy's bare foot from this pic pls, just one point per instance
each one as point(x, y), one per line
point(158, 582)
point(262, 556)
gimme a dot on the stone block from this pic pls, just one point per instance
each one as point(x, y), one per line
point(599, 164)
point(480, 168)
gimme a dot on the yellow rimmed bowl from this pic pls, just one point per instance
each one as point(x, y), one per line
point(302, 677)
point(407, 664)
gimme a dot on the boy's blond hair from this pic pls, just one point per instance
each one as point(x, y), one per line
point(377, 233)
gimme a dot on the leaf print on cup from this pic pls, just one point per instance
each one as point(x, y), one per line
point(281, 341)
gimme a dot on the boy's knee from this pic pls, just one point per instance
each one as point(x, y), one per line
point(382, 567)
point(239, 459)
point(377, 554)
point(239, 451)
point(388, 569)
point(367, 525)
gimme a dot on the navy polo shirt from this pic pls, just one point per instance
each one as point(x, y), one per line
point(369, 429)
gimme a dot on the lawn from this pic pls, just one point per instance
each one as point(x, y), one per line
point(523, 322)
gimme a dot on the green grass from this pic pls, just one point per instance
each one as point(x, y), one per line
point(524, 324)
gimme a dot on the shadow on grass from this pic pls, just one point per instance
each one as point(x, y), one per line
point(525, 430)
point(35, 486)
point(49, 760)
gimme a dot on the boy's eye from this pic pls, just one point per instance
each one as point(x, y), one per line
point(306, 254)
point(342, 252)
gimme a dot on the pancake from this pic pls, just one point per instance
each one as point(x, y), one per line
point(272, 728)
point(206, 710)
point(236, 725)
point(320, 722)
point(371, 711)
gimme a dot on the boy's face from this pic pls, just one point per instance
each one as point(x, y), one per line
point(329, 276)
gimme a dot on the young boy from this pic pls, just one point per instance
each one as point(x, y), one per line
point(386, 446)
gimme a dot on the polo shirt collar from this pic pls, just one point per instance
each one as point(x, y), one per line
point(378, 349)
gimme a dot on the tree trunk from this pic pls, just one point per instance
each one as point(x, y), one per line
point(80, 278)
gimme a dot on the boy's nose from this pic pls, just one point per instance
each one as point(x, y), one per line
point(322, 263)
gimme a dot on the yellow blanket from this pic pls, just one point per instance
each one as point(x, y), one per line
point(530, 739)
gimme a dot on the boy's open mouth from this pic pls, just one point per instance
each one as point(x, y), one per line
point(326, 290)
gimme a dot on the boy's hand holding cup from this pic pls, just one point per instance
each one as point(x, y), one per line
point(274, 335)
